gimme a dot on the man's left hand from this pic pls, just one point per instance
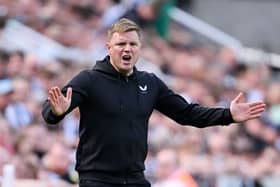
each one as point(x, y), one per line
point(245, 111)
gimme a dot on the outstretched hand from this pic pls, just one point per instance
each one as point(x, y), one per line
point(59, 103)
point(245, 111)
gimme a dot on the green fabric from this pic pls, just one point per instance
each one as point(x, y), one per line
point(163, 20)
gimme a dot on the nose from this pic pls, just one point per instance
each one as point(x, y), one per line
point(127, 47)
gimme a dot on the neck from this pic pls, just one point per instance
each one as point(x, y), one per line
point(127, 73)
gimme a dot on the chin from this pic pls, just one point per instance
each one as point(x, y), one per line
point(125, 70)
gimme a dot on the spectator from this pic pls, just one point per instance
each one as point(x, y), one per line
point(169, 173)
point(6, 90)
point(58, 163)
point(18, 105)
point(4, 58)
point(15, 64)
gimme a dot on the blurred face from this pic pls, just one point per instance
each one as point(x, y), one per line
point(166, 164)
point(124, 51)
point(5, 100)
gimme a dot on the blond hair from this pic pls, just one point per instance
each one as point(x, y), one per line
point(123, 25)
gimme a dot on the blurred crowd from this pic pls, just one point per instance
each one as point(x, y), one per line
point(237, 155)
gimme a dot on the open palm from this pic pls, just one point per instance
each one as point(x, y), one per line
point(59, 103)
point(245, 111)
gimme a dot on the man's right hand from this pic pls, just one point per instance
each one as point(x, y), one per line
point(59, 103)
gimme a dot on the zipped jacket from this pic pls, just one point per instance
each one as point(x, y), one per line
point(114, 115)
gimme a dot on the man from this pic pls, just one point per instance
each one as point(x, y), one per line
point(6, 90)
point(168, 171)
point(115, 102)
point(57, 163)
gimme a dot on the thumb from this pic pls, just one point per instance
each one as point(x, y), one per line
point(69, 93)
point(238, 98)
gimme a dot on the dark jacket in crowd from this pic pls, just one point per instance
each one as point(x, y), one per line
point(115, 111)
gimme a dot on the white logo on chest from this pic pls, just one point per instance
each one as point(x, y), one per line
point(143, 88)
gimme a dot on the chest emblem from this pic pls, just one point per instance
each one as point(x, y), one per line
point(143, 89)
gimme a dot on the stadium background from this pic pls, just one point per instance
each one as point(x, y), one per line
point(46, 42)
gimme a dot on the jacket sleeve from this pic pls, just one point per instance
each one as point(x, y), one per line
point(177, 108)
point(79, 86)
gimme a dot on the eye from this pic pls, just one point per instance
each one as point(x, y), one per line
point(121, 44)
point(133, 44)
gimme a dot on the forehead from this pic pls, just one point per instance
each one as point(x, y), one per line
point(125, 36)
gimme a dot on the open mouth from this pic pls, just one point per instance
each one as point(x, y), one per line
point(126, 57)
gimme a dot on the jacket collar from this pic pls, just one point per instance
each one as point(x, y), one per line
point(106, 67)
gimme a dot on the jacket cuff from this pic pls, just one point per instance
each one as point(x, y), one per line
point(52, 118)
point(228, 117)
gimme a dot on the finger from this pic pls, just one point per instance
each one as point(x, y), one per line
point(53, 104)
point(238, 98)
point(258, 111)
point(260, 103)
point(52, 94)
point(69, 93)
point(57, 92)
point(51, 101)
point(257, 107)
point(254, 116)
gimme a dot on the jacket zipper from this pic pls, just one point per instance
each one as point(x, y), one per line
point(122, 87)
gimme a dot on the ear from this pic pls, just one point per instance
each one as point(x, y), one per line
point(108, 46)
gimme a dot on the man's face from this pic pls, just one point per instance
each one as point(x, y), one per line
point(124, 51)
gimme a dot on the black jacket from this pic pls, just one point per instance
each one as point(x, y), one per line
point(114, 120)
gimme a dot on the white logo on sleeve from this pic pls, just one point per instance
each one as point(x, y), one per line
point(143, 89)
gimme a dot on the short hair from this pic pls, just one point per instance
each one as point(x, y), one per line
point(123, 25)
